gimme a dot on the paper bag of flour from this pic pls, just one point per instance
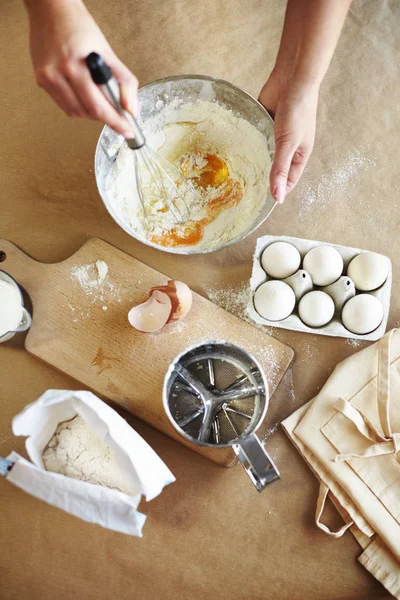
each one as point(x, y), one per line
point(86, 460)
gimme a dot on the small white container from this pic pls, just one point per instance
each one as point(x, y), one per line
point(13, 315)
point(335, 328)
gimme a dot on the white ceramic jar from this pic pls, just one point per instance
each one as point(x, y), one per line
point(13, 315)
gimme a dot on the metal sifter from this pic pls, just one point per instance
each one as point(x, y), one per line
point(215, 394)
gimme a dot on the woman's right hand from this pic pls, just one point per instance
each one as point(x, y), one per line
point(62, 35)
point(294, 108)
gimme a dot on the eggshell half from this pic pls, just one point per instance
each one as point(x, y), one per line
point(151, 315)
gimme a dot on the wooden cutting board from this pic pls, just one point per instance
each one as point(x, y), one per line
point(84, 330)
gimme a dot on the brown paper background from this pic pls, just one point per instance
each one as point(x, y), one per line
point(210, 534)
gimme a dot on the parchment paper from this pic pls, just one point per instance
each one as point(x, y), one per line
point(212, 535)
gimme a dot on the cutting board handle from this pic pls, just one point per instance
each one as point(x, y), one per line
point(25, 270)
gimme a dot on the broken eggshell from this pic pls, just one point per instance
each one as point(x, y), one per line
point(151, 315)
point(300, 282)
point(341, 291)
point(180, 295)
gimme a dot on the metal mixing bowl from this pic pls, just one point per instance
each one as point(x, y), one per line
point(189, 88)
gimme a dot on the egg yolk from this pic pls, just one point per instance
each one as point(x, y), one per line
point(213, 173)
point(208, 171)
point(193, 232)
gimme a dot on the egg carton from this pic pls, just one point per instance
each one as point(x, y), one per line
point(335, 328)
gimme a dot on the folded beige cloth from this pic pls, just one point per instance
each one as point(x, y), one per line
point(350, 437)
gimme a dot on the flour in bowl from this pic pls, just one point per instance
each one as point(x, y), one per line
point(227, 162)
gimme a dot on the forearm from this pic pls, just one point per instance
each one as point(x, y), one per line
point(310, 35)
point(51, 9)
point(31, 5)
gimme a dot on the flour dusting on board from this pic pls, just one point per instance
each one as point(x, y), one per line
point(93, 279)
point(90, 276)
point(234, 299)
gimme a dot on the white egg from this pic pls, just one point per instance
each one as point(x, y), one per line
point(274, 300)
point(280, 260)
point(362, 314)
point(324, 264)
point(369, 271)
point(316, 309)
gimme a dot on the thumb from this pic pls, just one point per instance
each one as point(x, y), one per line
point(284, 152)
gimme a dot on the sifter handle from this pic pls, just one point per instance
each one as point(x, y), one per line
point(102, 76)
point(255, 460)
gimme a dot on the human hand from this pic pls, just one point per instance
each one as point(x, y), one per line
point(294, 109)
point(62, 35)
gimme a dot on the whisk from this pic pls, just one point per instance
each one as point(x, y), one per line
point(172, 188)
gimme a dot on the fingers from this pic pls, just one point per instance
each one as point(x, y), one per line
point(280, 170)
point(93, 100)
point(128, 84)
point(294, 126)
point(72, 88)
point(287, 169)
point(66, 98)
point(61, 92)
point(299, 161)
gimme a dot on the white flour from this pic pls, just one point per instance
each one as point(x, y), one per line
point(356, 343)
point(334, 182)
point(235, 299)
point(288, 384)
point(203, 127)
point(93, 279)
point(90, 276)
point(270, 431)
point(76, 451)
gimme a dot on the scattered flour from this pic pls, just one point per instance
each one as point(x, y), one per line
point(288, 384)
point(355, 343)
point(90, 276)
point(269, 432)
point(174, 328)
point(4, 440)
point(76, 451)
point(307, 352)
point(235, 299)
point(93, 279)
point(334, 183)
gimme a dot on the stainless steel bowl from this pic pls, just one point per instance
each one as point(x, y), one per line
point(189, 88)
